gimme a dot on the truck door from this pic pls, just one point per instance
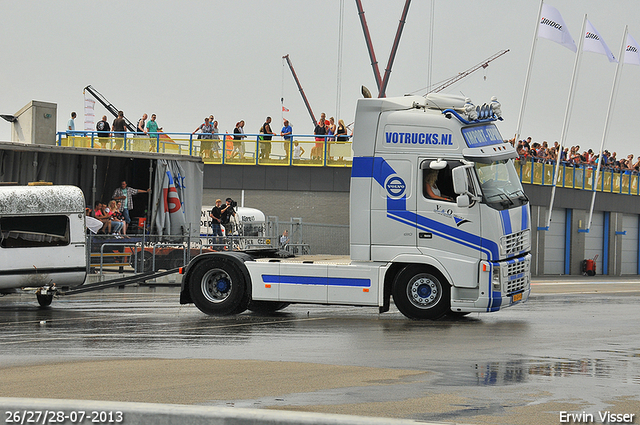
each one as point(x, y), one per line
point(445, 231)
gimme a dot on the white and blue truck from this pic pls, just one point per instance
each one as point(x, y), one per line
point(464, 250)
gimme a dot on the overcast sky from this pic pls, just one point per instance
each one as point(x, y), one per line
point(189, 59)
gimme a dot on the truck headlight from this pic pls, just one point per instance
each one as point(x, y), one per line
point(495, 278)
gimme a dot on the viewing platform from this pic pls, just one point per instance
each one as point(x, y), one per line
point(309, 152)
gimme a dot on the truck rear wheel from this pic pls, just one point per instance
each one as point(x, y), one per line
point(420, 293)
point(217, 287)
point(266, 307)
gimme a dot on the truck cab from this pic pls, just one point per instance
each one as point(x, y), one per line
point(473, 235)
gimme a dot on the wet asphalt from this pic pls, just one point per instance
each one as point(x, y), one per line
point(574, 347)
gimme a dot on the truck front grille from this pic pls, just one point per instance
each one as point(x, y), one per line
point(517, 275)
point(515, 243)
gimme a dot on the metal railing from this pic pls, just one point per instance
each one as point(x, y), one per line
point(324, 153)
point(303, 150)
point(579, 177)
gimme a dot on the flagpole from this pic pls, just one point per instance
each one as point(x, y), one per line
point(567, 119)
point(525, 94)
point(614, 90)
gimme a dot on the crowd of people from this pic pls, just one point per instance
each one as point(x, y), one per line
point(209, 135)
point(573, 157)
point(113, 218)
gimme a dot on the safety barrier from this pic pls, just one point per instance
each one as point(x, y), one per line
point(578, 177)
point(303, 150)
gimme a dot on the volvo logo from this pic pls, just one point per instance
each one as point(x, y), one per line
point(396, 186)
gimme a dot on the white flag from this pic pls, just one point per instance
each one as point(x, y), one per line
point(552, 27)
point(594, 43)
point(632, 51)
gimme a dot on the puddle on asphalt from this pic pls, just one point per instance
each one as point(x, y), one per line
point(525, 370)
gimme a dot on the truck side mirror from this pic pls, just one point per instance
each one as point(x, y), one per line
point(463, 201)
point(460, 184)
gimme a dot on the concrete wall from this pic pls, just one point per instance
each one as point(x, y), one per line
point(317, 195)
point(312, 207)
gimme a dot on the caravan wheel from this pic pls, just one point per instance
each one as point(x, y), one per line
point(44, 300)
point(218, 288)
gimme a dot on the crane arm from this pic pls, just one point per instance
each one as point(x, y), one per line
point(446, 83)
point(109, 106)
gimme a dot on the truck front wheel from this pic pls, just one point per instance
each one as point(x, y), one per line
point(218, 288)
point(421, 294)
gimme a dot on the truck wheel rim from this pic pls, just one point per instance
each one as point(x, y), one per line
point(423, 292)
point(216, 285)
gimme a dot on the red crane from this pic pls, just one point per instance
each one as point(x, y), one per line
point(382, 82)
point(304, 96)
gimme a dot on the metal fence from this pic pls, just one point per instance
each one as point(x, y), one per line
point(309, 238)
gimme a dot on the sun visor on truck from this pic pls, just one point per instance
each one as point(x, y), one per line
point(485, 144)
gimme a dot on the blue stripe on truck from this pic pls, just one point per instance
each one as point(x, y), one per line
point(317, 280)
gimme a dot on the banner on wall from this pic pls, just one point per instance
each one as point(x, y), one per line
point(177, 197)
point(89, 114)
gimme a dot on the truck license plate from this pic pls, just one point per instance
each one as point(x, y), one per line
point(517, 297)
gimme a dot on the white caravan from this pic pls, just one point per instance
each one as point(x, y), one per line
point(439, 222)
point(42, 238)
point(249, 226)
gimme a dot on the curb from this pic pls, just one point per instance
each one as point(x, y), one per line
point(40, 410)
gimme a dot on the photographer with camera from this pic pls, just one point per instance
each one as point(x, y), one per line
point(227, 212)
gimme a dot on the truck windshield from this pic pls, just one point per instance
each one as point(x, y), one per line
point(500, 184)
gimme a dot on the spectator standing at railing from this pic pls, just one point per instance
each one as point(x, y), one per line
point(320, 131)
point(238, 135)
point(605, 159)
point(119, 127)
point(267, 134)
point(206, 130)
point(71, 125)
point(341, 132)
point(104, 131)
point(331, 131)
point(565, 155)
point(152, 130)
point(287, 135)
point(141, 124)
point(216, 139)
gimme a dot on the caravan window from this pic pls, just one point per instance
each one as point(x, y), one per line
point(34, 231)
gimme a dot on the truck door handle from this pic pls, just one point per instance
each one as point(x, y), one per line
point(425, 235)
